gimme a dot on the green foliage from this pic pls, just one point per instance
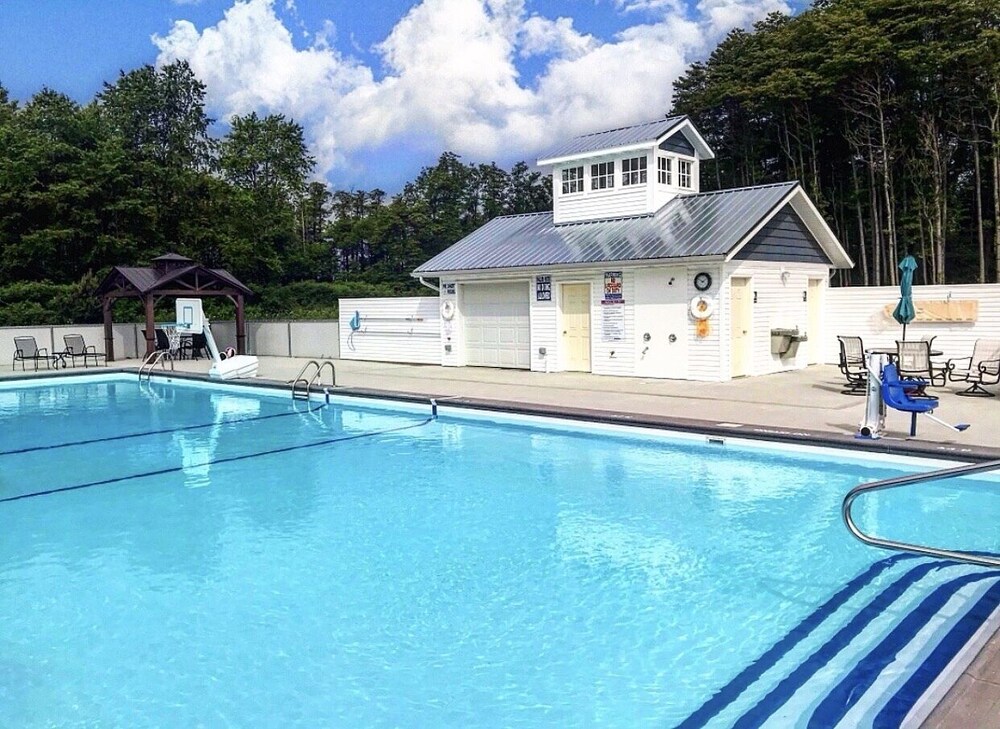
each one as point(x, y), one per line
point(135, 174)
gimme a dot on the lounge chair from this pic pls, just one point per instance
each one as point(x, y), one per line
point(77, 347)
point(852, 365)
point(981, 368)
point(27, 350)
point(914, 361)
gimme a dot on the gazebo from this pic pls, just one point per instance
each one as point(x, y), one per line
point(170, 275)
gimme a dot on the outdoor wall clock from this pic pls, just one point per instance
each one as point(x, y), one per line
point(702, 281)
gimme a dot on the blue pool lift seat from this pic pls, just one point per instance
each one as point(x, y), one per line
point(903, 395)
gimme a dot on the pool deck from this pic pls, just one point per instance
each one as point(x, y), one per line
point(803, 406)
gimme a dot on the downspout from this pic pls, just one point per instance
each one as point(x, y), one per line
point(429, 285)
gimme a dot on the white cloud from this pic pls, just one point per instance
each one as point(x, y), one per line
point(449, 75)
point(541, 36)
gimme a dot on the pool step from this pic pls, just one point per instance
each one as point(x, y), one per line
point(866, 656)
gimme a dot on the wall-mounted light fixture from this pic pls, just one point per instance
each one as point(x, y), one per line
point(755, 297)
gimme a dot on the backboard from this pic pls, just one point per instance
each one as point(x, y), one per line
point(190, 318)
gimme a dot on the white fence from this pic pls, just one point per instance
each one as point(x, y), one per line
point(860, 311)
point(405, 329)
point(264, 338)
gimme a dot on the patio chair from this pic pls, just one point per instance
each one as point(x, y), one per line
point(981, 368)
point(194, 346)
point(913, 359)
point(27, 350)
point(76, 347)
point(852, 365)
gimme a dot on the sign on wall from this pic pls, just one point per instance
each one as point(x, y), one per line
point(543, 288)
point(448, 288)
point(613, 308)
point(613, 287)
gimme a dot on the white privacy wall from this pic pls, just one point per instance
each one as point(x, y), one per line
point(406, 329)
point(858, 311)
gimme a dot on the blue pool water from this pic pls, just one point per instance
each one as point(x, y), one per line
point(227, 558)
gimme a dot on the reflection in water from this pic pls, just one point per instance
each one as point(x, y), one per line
point(197, 447)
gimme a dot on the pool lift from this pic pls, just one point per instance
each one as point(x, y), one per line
point(191, 319)
point(885, 388)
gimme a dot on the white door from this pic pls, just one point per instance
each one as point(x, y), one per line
point(815, 303)
point(574, 308)
point(661, 323)
point(741, 321)
point(497, 332)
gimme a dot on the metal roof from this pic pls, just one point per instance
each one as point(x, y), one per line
point(622, 137)
point(706, 224)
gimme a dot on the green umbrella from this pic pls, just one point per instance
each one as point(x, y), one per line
point(904, 312)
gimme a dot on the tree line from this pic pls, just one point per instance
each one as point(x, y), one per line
point(137, 172)
point(887, 111)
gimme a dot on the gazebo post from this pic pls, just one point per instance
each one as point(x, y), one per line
point(150, 325)
point(241, 327)
point(109, 340)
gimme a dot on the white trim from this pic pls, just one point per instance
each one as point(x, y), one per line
point(700, 145)
point(579, 156)
point(824, 236)
point(574, 268)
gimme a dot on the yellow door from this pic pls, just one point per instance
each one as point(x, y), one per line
point(740, 318)
point(575, 311)
point(815, 320)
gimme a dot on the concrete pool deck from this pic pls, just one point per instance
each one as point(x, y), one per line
point(805, 405)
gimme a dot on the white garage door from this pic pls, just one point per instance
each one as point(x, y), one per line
point(496, 325)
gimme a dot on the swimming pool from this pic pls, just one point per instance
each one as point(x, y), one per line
point(221, 556)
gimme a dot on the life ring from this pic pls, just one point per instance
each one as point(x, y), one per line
point(702, 307)
point(447, 309)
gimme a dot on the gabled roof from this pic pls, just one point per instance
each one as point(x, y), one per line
point(711, 224)
point(147, 280)
point(624, 138)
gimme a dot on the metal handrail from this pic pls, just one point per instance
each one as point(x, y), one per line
point(152, 359)
point(317, 376)
point(891, 483)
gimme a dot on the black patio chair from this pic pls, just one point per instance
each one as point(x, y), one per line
point(27, 350)
point(77, 347)
point(194, 346)
point(981, 368)
point(852, 365)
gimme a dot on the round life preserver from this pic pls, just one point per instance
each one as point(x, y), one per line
point(702, 307)
point(447, 309)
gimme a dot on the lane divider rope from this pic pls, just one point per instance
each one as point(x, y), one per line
point(212, 462)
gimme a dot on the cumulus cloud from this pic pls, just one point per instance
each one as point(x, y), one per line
point(449, 73)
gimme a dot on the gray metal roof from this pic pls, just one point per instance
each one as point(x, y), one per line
point(707, 224)
point(623, 136)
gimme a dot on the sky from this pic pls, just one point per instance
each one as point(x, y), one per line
point(383, 87)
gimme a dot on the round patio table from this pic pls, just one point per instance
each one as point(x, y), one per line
point(893, 352)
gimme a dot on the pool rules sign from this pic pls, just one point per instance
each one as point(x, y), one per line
point(613, 308)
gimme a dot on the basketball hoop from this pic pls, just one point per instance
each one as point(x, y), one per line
point(173, 337)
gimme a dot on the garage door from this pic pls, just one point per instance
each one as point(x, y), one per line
point(496, 325)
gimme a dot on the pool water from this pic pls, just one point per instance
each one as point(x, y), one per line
point(206, 557)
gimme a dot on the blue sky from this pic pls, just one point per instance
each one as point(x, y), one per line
point(383, 87)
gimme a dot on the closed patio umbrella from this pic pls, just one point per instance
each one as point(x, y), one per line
point(904, 312)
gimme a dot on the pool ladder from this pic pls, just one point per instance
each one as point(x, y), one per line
point(302, 385)
point(156, 357)
point(892, 483)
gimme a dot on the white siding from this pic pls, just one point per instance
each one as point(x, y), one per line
point(705, 360)
point(859, 311)
point(612, 358)
point(779, 303)
point(616, 202)
point(544, 335)
point(452, 335)
point(405, 329)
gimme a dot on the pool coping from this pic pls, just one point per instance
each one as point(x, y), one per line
point(820, 438)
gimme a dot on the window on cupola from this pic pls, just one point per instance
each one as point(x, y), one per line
point(684, 174)
point(572, 180)
point(663, 170)
point(602, 175)
point(634, 171)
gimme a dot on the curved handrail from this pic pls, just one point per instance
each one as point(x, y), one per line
point(891, 483)
point(316, 377)
point(156, 357)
